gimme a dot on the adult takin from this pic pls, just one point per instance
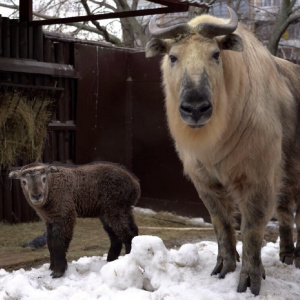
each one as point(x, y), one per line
point(233, 112)
point(59, 194)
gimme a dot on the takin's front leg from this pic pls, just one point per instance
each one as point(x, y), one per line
point(285, 215)
point(255, 214)
point(297, 220)
point(221, 213)
point(58, 240)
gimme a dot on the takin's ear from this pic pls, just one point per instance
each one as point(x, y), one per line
point(231, 42)
point(156, 46)
point(51, 169)
point(15, 174)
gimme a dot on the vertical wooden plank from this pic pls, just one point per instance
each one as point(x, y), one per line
point(16, 201)
point(66, 53)
point(23, 46)
point(48, 51)
point(61, 146)
point(0, 37)
point(68, 146)
point(14, 38)
point(14, 45)
point(47, 153)
point(54, 146)
point(5, 37)
point(7, 207)
point(1, 196)
point(30, 42)
point(59, 53)
point(38, 42)
point(48, 57)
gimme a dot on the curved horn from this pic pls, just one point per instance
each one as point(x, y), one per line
point(211, 29)
point(205, 29)
point(168, 32)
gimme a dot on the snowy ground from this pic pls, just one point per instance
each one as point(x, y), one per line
point(153, 272)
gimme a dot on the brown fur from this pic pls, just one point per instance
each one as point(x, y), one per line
point(104, 190)
point(248, 151)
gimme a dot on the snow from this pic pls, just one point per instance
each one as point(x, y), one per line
point(151, 272)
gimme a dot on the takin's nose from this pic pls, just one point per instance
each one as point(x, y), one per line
point(36, 196)
point(195, 111)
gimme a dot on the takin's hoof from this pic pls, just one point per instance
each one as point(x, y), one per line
point(253, 281)
point(287, 258)
point(297, 262)
point(58, 274)
point(223, 267)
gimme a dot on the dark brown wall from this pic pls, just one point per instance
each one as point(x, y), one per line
point(103, 114)
point(111, 108)
point(121, 118)
point(155, 161)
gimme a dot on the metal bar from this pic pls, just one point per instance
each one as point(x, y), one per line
point(36, 67)
point(182, 2)
point(25, 10)
point(115, 15)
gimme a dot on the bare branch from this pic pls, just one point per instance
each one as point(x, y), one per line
point(102, 30)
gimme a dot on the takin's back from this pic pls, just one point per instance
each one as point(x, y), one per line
point(292, 74)
point(96, 186)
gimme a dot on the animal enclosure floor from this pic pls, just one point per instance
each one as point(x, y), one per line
point(91, 240)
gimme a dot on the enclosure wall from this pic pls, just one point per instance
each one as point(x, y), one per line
point(110, 108)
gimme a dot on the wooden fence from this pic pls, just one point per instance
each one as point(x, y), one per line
point(109, 107)
point(30, 60)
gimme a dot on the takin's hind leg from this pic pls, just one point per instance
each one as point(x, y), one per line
point(115, 243)
point(133, 231)
point(121, 228)
point(285, 209)
point(297, 220)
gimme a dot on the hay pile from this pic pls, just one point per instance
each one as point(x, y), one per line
point(23, 127)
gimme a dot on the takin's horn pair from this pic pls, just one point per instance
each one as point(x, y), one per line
point(206, 29)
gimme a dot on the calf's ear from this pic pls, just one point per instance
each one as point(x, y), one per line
point(156, 46)
point(52, 169)
point(15, 174)
point(231, 42)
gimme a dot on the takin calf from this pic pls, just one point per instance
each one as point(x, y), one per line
point(233, 112)
point(60, 194)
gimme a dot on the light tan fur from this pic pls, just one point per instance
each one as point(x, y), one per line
point(240, 155)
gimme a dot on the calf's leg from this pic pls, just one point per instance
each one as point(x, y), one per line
point(115, 243)
point(132, 232)
point(58, 239)
point(121, 228)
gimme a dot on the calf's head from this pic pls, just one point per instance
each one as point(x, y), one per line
point(34, 181)
point(192, 67)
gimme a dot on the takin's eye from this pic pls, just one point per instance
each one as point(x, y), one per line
point(216, 56)
point(173, 58)
point(24, 182)
point(44, 179)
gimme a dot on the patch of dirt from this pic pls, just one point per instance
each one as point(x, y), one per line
point(90, 239)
